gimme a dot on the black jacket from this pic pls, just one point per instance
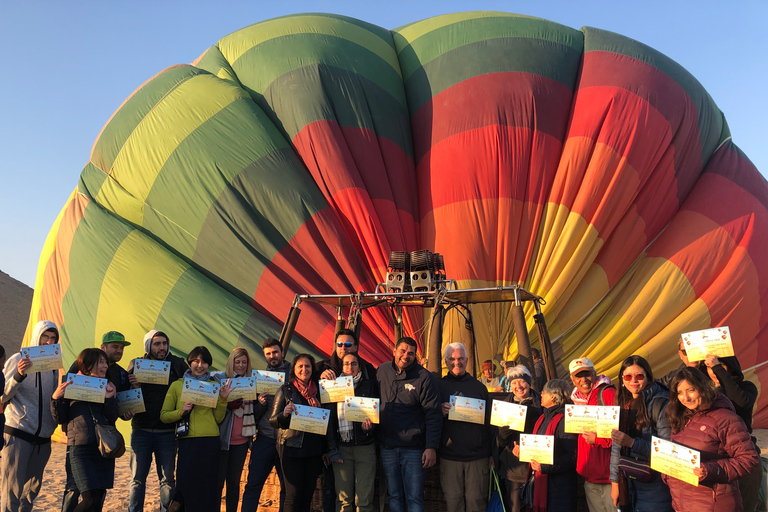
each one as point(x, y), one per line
point(463, 441)
point(154, 395)
point(562, 485)
point(293, 443)
point(366, 388)
point(335, 364)
point(77, 418)
point(741, 392)
point(510, 466)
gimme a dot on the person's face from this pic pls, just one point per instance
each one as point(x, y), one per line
point(158, 349)
point(546, 399)
point(240, 364)
point(405, 355)
point(49, 337)
point(488, 372)
point(114, 351)
point(350, 365)
point(274, 356)
point(584, 380)
point(99, 369)
point(302, 370)
point(345, 344)
point(684, 356)
point(198, 366)
point(638, 380)
point(688, 395)
point(520, 388)
point(456, 362)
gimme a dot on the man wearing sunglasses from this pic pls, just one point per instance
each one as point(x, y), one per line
point(666, 380)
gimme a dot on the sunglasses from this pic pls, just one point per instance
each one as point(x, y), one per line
point(344, 344)
point(640, 377)
point(682, 351)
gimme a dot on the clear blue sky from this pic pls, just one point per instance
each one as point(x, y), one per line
point(67, 66)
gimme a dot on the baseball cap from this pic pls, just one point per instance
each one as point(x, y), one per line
point(114, 337)
point(581, 363)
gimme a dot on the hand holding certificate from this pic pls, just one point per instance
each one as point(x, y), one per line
point(200, 392)
point(85, 388)
point(715, 341)
point(359, 408)
point(507, 414)
point(130, 401)
point(675, 460)
point(537, 447)
point(43, 357)
point(471, 410)
point(332, 391)
point(149, 371)
point(309, 419)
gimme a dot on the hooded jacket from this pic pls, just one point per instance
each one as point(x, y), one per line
point(727, 453)
point(154, 394)
point(741, 392)
point(27, 398)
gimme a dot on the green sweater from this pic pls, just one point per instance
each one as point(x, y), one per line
point(203, 421)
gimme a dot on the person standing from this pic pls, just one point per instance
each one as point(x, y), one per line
point(409, 426)
point(29, 424)
point(488, 378)
point(666, 380)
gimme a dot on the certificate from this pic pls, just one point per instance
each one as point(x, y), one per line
point(86, 388)
point(310, 419)
point(200, 392)
point(715, 341)
point(471, 410)
point(506, 414)
point(580, 418)
point(242, 387)
point(537, 447)
point(607, 420)
point(332, 391)
point(43, 357)
point(359, 408)
point(268, 381)
point(149, 371)
point(675, 460)
point(130, 401)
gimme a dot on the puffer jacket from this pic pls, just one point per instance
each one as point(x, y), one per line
point(510, 466)
point(727, 453)
point(293, 443)
point(77, 416)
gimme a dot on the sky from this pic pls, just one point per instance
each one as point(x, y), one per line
point(67, 66)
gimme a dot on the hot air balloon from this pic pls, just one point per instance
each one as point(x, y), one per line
point(295, 155)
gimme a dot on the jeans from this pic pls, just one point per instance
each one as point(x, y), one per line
point(405, 478)
point(264, 457)
point(230, 470)
point(143, 445)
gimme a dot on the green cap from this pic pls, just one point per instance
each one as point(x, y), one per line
point(114, 337)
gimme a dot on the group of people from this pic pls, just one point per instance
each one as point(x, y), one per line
point(704, 406)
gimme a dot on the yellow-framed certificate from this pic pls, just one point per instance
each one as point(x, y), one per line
point(149, 371)
point(470, 410)
point(131, 400)
point(85, 388)
point(200, 392)
point(507, 414)
point(332, 391)
point(268, 381)
point(536, 447)
point(607, 420)
point(43, 357)
point(310, 419)
point(580, 418)
point(242, 387)
point(675, 460)
point(359, 408)
point(715, 341)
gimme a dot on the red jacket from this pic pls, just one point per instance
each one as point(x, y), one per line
point(594, 460)
point(727, 453)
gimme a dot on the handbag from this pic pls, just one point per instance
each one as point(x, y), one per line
point(526, 492)
point(636, 469)
point(495, 503)
point(109, 440)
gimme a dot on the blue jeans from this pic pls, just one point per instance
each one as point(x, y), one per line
point(405, 478)
point(143, 445)
point(264, 457)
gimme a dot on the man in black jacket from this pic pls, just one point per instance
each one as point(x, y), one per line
point(410, 420)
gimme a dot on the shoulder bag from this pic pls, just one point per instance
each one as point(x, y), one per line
point(109, 440)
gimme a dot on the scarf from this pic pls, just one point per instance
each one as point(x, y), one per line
point(308, 391)
point(580, 399)
point(205, 377)
point(541, 479)
point(346, 428)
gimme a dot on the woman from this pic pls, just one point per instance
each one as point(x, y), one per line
point(351, 447)
point(236, 431)
point(198, 450)
point(300, 452)
point(704, 420)
point(514, 472)
point(93, 473)
point(643, 414)
point(555, 484)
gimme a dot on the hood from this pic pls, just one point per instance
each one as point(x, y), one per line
point(734, 367)
point(39, 329)
point(148, 340)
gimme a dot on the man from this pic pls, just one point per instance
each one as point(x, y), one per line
point(465, 448)
point(683, 355)
point(410, 421)
point(344, 343)
point(29, 424)
point(594, 454)
point(150, 436)
point(264, 455)
point(488, 378)
point(113, 344)
point(538, 365)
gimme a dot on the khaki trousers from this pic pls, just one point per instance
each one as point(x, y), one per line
point(465, 484)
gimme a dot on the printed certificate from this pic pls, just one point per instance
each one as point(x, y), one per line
point(268, 381)
point(471, 410)
point(44, 357)
point(607, 420)
point(537, 447)
point(130, 401)
point(86, 388)
point(242, 387)
point(675, 460)
point(506, 414)
point(359, 408)
point(715, 341)
point(310, 419)
point(580, 418)
point(200, 392)
point(149, 371)
point(332, 391)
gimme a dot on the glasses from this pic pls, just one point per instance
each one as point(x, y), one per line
point(583, 375)
point(344, 344)
point(46, 337)
point(640, 377)
point(682, 351)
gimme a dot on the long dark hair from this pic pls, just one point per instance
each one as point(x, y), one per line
point(292, 373)
point(680, 414)
point(624, 397)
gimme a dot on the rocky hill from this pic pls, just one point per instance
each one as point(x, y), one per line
point(15, 302)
